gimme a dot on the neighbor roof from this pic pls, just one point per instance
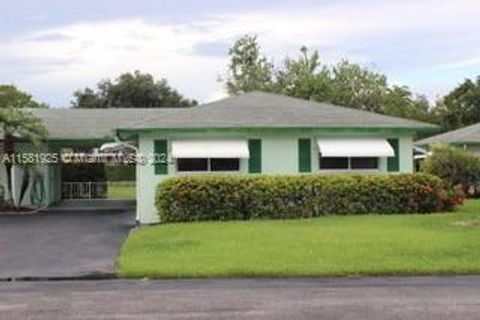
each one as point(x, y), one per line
point(470, 134)
point(249, 110)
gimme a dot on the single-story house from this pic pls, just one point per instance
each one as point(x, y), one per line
point(252, 133)
point(467, 138)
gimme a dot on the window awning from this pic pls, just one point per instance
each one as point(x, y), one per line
point(355, 147)
point(210, 149)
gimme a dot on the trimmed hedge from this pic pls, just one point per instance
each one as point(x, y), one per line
point(238, 197)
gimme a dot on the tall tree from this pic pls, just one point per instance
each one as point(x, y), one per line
point(131, 90)
point(345, 83)
point(357, 87)
point(17, 124)
point(248, 69)
point(11, 97)
point(401, 102)
point(460, 107)
point(305, 77)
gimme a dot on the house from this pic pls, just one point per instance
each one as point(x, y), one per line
point(251, 133)
point(467, 138)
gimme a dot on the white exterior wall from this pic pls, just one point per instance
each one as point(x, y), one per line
point(279, 156)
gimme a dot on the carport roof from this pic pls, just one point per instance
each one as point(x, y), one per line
point(90, 124)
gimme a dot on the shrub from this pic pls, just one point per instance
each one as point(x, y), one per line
point(456, 166)
point(237, 197)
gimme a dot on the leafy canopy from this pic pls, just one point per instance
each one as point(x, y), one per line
point(15, 121)
point(11, 97)
point(345, 83)
point(248, 69)
point(461, 107)
point(131, 90)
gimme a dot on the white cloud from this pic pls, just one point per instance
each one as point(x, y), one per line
point(60, 60)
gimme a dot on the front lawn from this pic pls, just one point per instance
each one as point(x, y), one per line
point(326, 246)
point(121, 190)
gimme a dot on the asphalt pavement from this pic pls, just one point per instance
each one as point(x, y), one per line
point(434, 298)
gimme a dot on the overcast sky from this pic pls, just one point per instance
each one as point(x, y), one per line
point(53, 47)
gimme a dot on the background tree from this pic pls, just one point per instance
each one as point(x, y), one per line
point(131, 90)
point(345, 83)
point(11, 97)
point(248, 69)
point(401, 102)
point(305, 77)
point(357, 87)
point(17, 124)
point(460, 107)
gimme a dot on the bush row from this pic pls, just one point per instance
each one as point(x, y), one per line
point(237, 197)
point(455, 166)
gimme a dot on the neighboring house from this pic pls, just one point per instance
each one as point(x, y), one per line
point(252, 133)
point(467, 138)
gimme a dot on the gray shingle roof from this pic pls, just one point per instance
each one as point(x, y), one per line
point(250, 110)
point(260, 109)
point(470, 134)
point(91, 123)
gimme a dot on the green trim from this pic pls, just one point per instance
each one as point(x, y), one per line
point(160, 147)
point(393, 163)
point(304, 155)
point(306, 130)
point(255, 160)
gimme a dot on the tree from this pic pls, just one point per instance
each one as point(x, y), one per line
point(248, 69)
point(17, 124)
point(304, 78)
point(357, 87)
point(401, 102)
point(11, 97)
point(131, 90)
point(345, 83)
point(460, 107)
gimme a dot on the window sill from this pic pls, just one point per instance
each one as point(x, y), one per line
point(349, 170)
point(182, 173)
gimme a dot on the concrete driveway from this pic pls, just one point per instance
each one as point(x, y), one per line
point(427, 298)
point(62, 243)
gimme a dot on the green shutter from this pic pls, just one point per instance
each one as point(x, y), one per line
point(160, 149)
point(304, 155)
point(393, 163)
point(255, 160)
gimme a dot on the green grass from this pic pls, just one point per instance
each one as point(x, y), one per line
point(119, 190)
point(328, 246)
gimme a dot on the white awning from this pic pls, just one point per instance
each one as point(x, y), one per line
point(355, 147)
point(210, 149)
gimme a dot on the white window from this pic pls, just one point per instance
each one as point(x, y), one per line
point(209, 155)
point(348, 163)
point(208, 164)
point(355, 147)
